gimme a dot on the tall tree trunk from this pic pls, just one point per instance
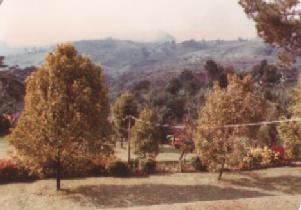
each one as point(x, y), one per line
point(58, 171)
point(221, 170)
point(180, 160)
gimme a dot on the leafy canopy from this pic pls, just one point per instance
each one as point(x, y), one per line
point(237, 103)
point(146, 135)
point(65, 113)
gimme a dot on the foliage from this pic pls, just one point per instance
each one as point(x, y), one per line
point(197, 164)
point(118, 169)
point(290, 135)
point(265, 74)
point(240, 149)
point(142, 85)
point(4, 126)
point(77, 167)
point(10, 171)
point(174, 86)
point(236, 104)
point(146, 136)
point(66, 112)
point(148, 166)
point(124, 106)
point(267, 135)
point(278, 23)
point(216, 73)
point(261, 157)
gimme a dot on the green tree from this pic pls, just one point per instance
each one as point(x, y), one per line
point(236, 104)
point(146, 135)
point(278, 23)
point(65, 114)
point(216, 73)
point(124, 106)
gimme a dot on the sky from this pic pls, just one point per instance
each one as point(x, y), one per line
point(41, 22)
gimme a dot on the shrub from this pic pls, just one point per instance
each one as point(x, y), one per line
point(280, 150)
point(118, 169)
point(290, 135)
point(149, 166)
point(197, 164)
point(240, 149)
point(261, 157)
point(10, 171)
point(4, 125)
point(75, 167)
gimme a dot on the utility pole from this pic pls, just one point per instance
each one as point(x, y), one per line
point(129, 139)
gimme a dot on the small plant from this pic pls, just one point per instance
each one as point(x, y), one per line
point(149, 166)
point(118, 169)
point(197, 164)
point(261, 157)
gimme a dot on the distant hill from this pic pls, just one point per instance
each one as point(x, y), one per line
point(126, 62)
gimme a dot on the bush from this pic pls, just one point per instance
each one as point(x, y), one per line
point(118, 169)
point(74, 167)
point(258, 157)
point(240, 150)
point(149, 166)
point(197, 164)
point(10, 171)
point(4, 126)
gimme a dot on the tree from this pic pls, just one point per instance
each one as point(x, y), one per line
point(146, 135)
point(236, 104)
point(216, 73)
point(267, 75)
point(213, 69)
point(174, 86)
point(2, 59)
point(278, 22)
point(124, 106)
point(290, 133)
point(65, 114)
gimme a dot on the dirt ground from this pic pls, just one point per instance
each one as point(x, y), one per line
point(277, 189)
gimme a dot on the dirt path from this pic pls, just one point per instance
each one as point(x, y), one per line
point(278, 188)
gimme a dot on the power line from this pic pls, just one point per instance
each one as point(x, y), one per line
point(222, 126)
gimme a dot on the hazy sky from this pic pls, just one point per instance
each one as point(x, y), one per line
point(26, 22)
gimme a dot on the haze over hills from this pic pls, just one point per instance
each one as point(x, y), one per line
point(122, 55)
point(126, 62)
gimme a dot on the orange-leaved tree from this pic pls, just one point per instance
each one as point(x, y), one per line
point(65, 114)
point(237, 104)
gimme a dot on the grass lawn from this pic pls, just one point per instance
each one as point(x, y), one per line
point(276, 188)
point(167, 153)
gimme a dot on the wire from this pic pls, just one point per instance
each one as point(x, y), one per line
point(222, 126)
